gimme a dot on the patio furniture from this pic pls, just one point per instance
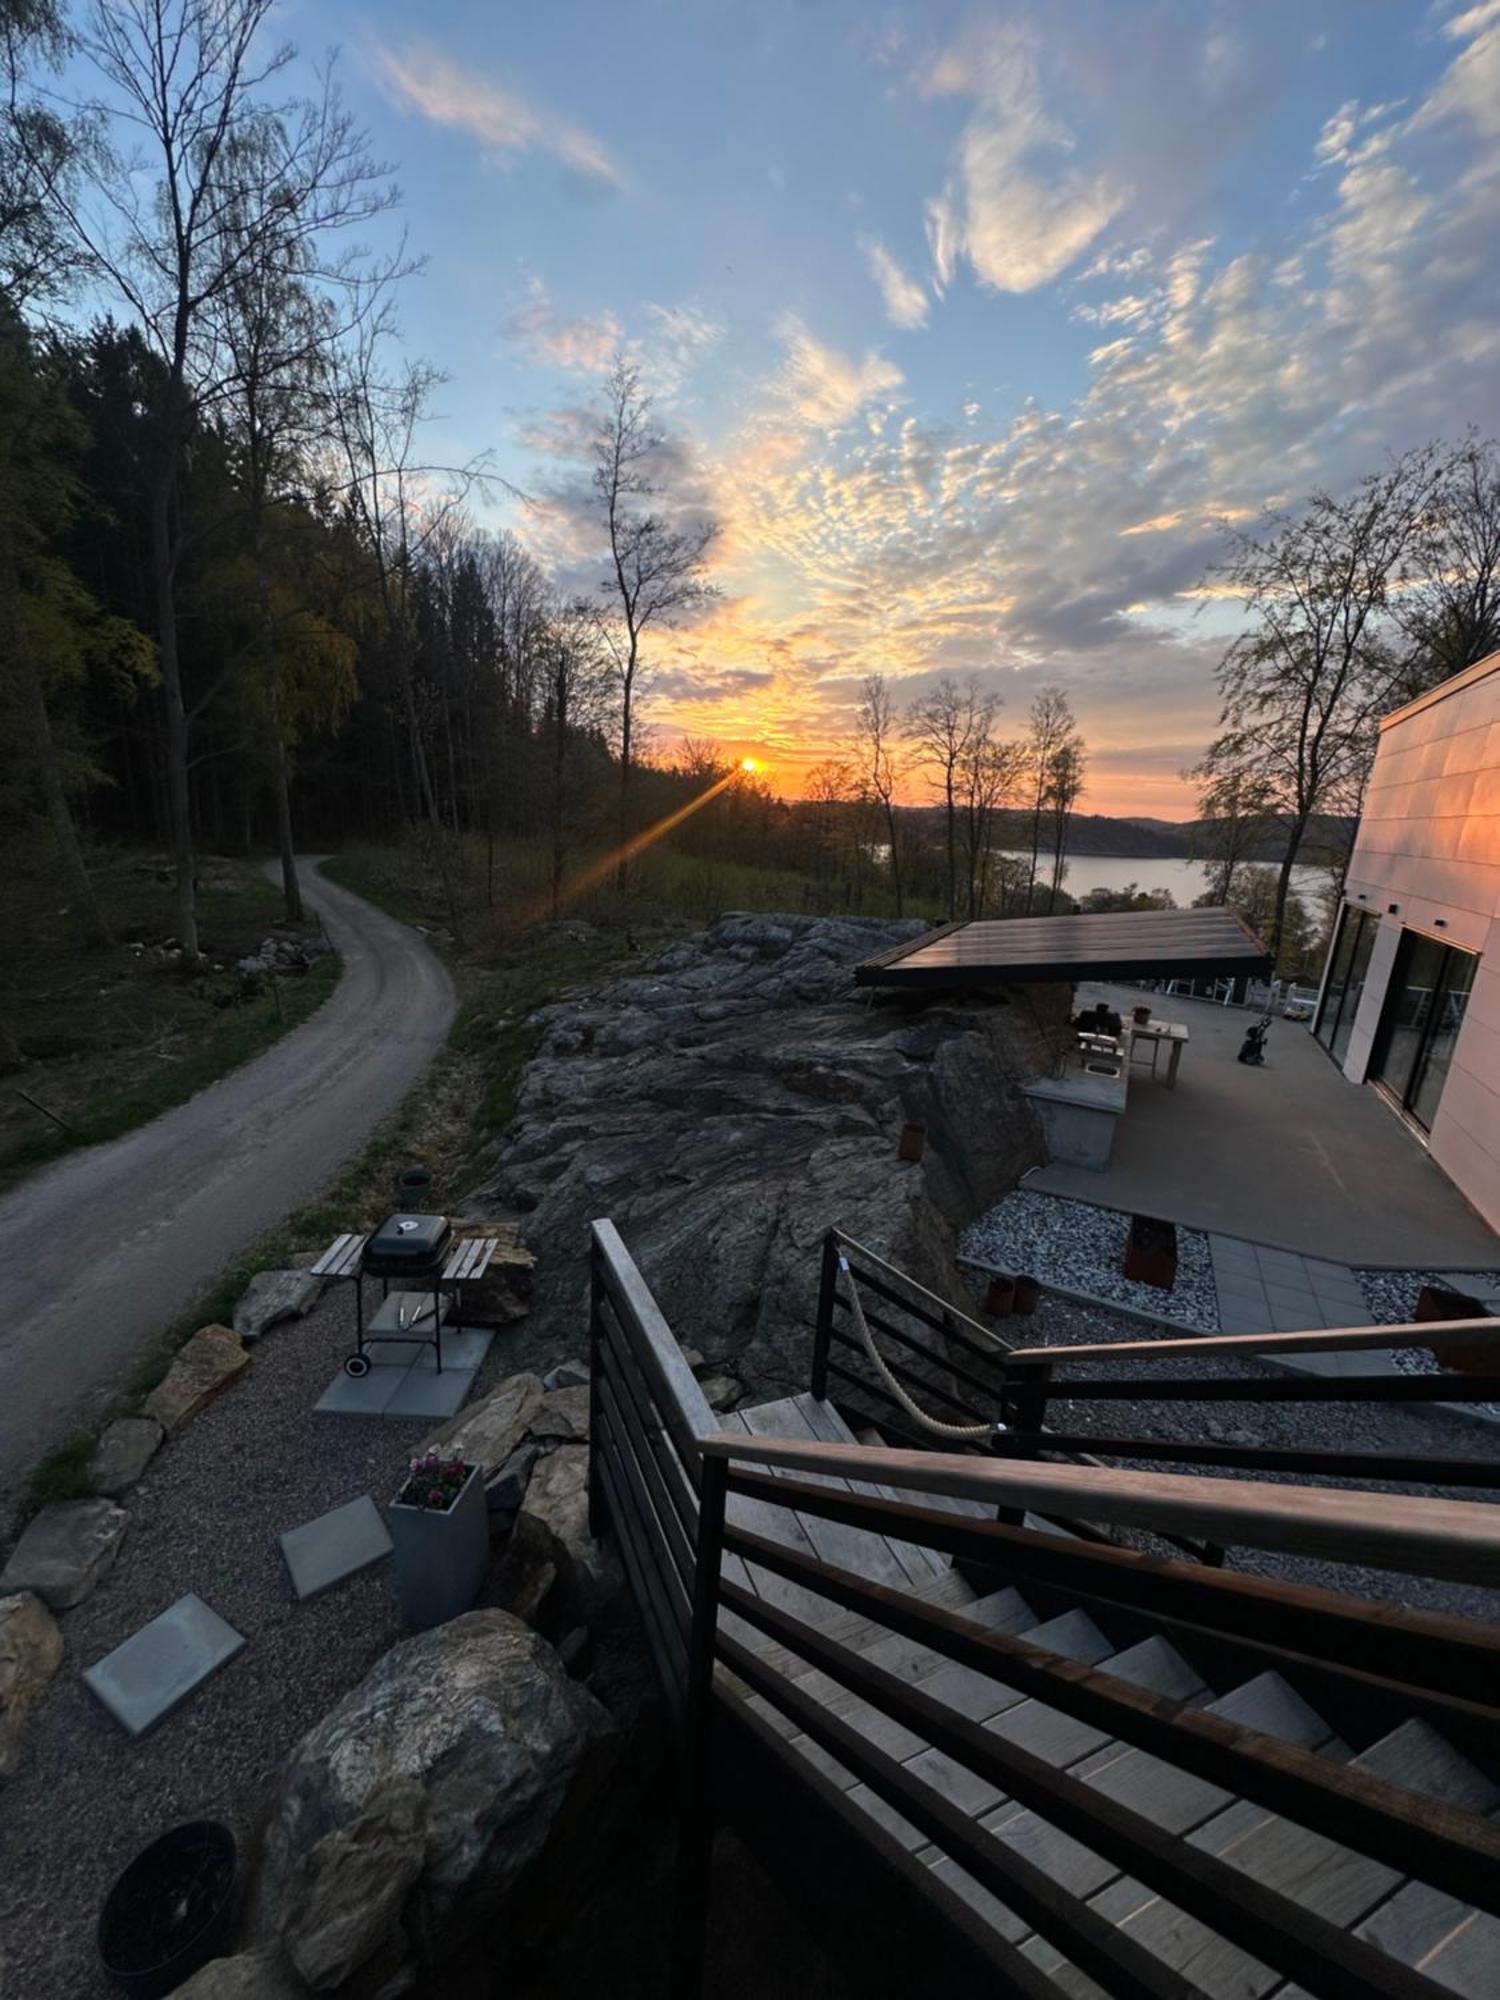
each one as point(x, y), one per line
point(1172, 1034)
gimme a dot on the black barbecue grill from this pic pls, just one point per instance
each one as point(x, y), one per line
point(409, 1250)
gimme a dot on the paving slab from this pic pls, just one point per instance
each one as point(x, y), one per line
point(336, 1545)
point(360, 1395)
point(158, 1667)
point(419, 1394)
point(463, 1348)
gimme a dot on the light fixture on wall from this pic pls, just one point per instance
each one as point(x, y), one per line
point(1441, 923)
point(1392, 909)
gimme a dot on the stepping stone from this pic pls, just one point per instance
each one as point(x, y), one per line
point(340, 1543)
point(424, 1394)
point(462, 1348)
point(360, 1395)
point(151, 1673)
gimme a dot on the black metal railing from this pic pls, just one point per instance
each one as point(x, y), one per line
point(965, 1372)
point(736, 1620)
point(1232, 1627)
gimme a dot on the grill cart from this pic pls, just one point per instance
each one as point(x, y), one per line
point(418, 1254)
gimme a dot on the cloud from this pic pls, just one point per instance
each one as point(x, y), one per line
point(421, 78)
point(544, 336)
point(906, 303)
point(824, 388)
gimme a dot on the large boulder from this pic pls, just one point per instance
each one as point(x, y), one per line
point(66, 1550)
point(488, 1432)
point(250, 1975)
point(470, 1736)
point(551, 1538)
point(202, 1367)
point(728, 1105)
point(31, 1650)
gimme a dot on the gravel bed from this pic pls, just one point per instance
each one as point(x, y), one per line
point(1392, 1299)
point(1076, 1244)
point(205, 1518)
point(1373, 1427)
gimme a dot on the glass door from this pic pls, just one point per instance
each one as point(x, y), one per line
point(1346, 980)
point(1424, 1010)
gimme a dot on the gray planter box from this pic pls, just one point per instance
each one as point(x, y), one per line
point(440, 1558)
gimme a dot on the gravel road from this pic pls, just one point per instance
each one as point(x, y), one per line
point(103, 1249)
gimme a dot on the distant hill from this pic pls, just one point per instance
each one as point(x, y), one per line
point(1161, 839)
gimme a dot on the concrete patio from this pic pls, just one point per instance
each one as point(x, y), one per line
point(1290, 1155)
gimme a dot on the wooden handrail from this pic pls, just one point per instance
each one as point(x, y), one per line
point(1314, 1340)
point(1455, 1539)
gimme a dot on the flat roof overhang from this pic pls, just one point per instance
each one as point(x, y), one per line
point(1131, 944)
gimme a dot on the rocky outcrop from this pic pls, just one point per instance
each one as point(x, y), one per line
point(447, 1770)
point(66, 1550)
point(251, 1975)
point(203, 1366)
point(730, 1104)
point(123, 1453)
point(488, 1432)
point(31, 1651)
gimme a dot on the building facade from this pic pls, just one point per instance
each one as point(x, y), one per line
point(1410, 1003)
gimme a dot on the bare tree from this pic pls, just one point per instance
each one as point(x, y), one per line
point(945, 725)
point(656, 569)
point(574, 702)
point(1064, 787)
point(171, 224)
point(1452, 616)
point(880, 763)
point(1300, 689)
point(990, 777)
point(1235, 812)
point(1050, 730)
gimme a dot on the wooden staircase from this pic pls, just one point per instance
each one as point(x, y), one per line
point(1455, 1945)
point(1002, 1724)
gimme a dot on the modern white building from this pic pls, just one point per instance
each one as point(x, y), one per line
point(1410, 1003)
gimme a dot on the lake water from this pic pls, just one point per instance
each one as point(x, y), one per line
point(1185, 879)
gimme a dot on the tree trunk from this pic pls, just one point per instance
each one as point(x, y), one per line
point(291, 888)
point(622, 868)
point(890, 822)
point(1295, 832)
point(86, 910)
point(179, 808)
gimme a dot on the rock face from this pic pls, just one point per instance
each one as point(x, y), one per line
point(551, 1533)
point(353, 1883)
point(65, 1551)
point(488, 1433)
point(31, 1651)
point(729, 1105)
point(461, 1749)
point(123, 1453)
point(252, 1975)
point(204, 1365)
point(273, 1296)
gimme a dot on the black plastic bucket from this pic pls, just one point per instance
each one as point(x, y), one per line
point(413, 1191)
point(171, 1911)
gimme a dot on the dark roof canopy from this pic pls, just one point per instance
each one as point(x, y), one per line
point(1132, 944)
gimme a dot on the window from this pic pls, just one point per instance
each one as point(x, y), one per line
point(1419, 1025)
point(1346, 981)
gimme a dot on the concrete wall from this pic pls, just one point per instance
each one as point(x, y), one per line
point(1429, 843)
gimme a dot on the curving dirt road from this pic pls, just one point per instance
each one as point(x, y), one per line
point(103, 1249)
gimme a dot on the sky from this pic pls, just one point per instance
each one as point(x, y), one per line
point(973, 326)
